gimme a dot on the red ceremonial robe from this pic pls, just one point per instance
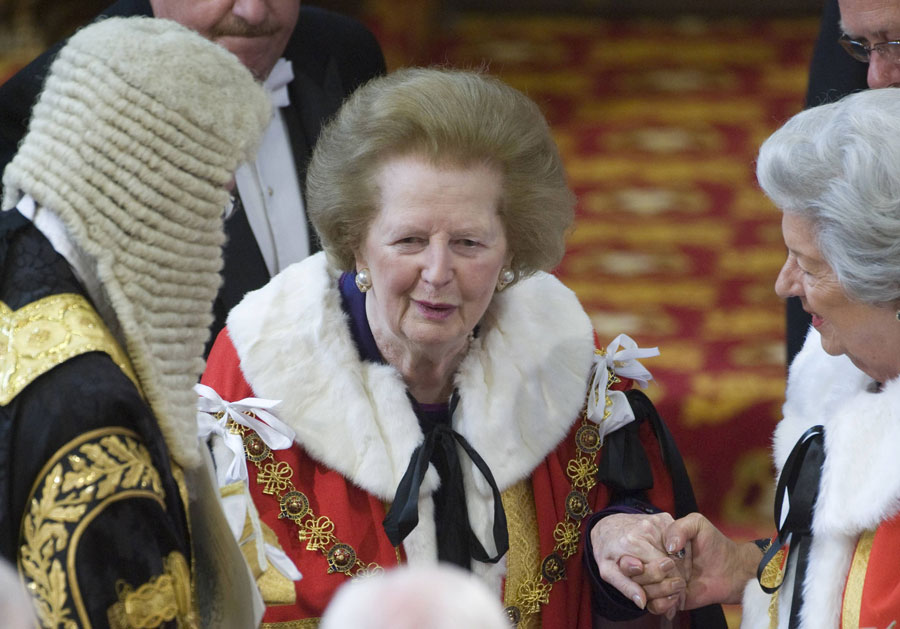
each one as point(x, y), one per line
point(293, 345)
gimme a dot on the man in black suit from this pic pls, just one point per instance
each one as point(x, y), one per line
point(326, 56)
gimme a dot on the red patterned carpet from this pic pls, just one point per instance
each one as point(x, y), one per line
point(659, 123)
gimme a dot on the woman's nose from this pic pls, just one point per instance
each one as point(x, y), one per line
point(438, 264)
point(787, 284)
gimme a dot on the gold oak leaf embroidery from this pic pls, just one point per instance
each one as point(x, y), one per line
point(86, 473)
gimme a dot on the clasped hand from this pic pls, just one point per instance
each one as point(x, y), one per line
point(664, 565)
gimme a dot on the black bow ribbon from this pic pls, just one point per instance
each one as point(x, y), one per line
point(456, 541)
point(799, 483)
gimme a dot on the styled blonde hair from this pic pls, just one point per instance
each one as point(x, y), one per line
point(453, 118)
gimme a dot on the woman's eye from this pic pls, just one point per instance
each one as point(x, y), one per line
point(468, 242)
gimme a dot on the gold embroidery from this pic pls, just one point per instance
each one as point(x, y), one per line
point(773, 611)
point(773, 573)
point(184, 494)
point(276, 589)
point(855, 581)
point(534, 591)
point(46, 333)
point(523, 559)
point(234, 489)
point(73, 488)
point(307, 623)
point(248, 542)
point(164, 598)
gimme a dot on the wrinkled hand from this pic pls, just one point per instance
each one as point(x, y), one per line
point(719, 567)
point(630, 554)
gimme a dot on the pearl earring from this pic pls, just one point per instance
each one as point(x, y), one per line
point(363, 281)
point(507, 277)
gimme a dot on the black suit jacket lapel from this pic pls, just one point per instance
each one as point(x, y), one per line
point(128, 8)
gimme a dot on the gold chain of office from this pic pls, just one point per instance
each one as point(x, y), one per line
point(318, 532)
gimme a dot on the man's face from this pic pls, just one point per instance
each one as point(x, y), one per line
point(256, 31)
point(871, 22)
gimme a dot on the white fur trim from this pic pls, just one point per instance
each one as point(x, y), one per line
point(860, 485)
point(755, 608)
point(521, 385)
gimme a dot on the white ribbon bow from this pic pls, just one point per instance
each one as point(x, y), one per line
point(622, 362)
point(274, 433)
point(277, 81)
point(207, 426)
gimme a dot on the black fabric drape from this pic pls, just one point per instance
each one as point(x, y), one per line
point(625, 470)
point(456, 541)
point(799, 481)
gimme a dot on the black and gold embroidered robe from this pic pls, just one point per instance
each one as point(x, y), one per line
point(91, 512)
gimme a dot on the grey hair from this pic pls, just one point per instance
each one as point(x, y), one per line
point(138, 130)
point(449, 117)
point(838, 165)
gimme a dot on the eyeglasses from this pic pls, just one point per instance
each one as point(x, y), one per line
point(889, 50)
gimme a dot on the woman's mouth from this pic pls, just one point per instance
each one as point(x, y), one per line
point(434, 311)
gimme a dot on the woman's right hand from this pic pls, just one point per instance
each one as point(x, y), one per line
point(630, 554)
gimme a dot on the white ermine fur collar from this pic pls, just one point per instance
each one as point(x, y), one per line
point(521, 387)
point(860, 485)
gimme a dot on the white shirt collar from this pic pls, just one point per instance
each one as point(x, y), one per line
point(277, 81)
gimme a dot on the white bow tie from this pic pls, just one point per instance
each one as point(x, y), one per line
point(277, 81)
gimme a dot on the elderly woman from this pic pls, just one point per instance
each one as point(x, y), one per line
point(422, 384)
point(833, 172)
